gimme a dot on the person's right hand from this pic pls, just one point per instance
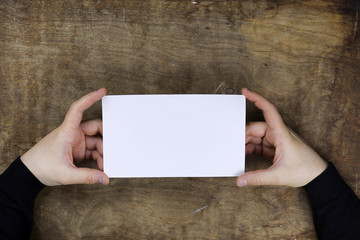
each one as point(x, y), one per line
point(52, 160)
point(295, 163)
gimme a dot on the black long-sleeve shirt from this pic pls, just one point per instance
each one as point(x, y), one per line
point(18, 190)
point(336, 207)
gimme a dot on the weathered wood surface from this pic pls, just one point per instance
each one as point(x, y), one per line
point(302, 55)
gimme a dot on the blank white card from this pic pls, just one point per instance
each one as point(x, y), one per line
point(173, 135)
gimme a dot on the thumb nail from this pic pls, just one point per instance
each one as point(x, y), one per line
point(101, 181)
point(242, 183)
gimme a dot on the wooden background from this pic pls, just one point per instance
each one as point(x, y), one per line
point(302, 55)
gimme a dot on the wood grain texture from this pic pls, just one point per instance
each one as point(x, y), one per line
point(302, 55)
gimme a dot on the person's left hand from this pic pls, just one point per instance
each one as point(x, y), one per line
point(52, 159)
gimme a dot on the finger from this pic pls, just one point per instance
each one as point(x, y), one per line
point(257, 178)
point(271, 115)
point(250, 139)
point(253, 148)
point(94, 143)
point(88, 176)
point(92, 127)
point(88, 154)
point(74, 115)
point(268, 152)
point(95, 155)
point(98, 158)
point(256, 129)
point(249, 148)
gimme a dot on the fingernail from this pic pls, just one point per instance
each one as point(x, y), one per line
point(242, 183)
point(101, 181)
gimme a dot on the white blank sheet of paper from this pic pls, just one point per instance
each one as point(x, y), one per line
point(189, 135)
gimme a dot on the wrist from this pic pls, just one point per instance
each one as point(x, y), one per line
point(28, 159)
point(18, 181)
point(326, 186)
point(319, 167)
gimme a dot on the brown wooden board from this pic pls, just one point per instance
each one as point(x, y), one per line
point(302, 55)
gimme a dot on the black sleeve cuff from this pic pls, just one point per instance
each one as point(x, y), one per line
point(325, 187)
point(20, 183)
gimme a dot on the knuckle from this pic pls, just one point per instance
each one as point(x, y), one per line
point(89, 179)
point(73, 105)
point(272, 106)
point(256, 181)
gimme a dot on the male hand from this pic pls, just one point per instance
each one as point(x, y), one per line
point(52, 159)
point(295, 163)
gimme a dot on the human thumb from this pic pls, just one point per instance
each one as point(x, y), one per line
point(89, 176)
point(256, 178)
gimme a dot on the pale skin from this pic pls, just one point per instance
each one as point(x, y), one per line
point(295, 163)
point(52, 160)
